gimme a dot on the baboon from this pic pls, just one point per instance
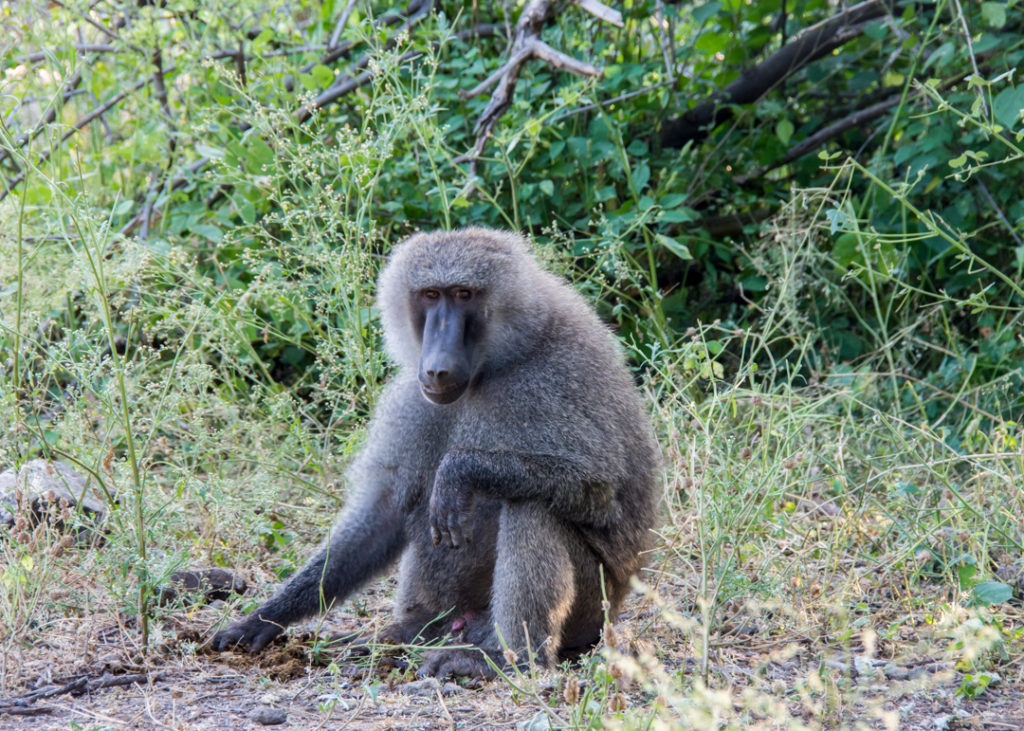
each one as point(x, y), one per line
point(509, 465)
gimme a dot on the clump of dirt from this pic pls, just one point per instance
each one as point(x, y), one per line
point(276, 662)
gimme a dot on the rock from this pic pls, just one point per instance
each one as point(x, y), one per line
point(269, 716)
point(201, 586)
point(539, 722)
point(427, 686)
point(895, 672)
point(1013, 575)
point(451, 689)
point(44, 484)
point(864, 666)
point(8, 503)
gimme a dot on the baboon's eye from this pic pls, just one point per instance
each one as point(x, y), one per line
point(430, 294)
point(464, 295)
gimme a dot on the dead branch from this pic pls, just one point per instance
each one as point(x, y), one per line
point(51, 114)
point(526, 44)
point(99, 26)
point(83, 48)
point(79, 124)
point(342, 22)
point(412, 14)
point(811, 44)
point(862, 116)
point(19, 705)
point(602, 11)
point(345, 84)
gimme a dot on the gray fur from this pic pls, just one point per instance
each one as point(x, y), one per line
point(548, 460)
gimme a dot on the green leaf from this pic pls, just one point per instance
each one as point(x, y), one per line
point(712, 43)
point(245, 208)
point(322, 75)
point(547, 187)
point(678, 215)
point(675, 247)
point(208, 232)
point(992, 592)
point(994, 14)
point(845, 250)
point(672, 200)
point(1007, 106)
point(261, 40)
point(210, 152)
point(640, 177)
point(755, 283)
point(876, 31)
point(701, 14)
point(784, 130)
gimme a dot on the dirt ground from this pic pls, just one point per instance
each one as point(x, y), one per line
point(81, 675)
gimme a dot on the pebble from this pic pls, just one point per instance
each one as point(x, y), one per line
point(427, 686)
point(269, 716)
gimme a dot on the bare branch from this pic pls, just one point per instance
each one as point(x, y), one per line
point(80, 47)
point(813, 43)
point(342, 22)
point(526, 44)
point(861, 116)
point(559, 60)
point(602, 11)
point(79, 124)
point(51, 114)
point(99, 26)
point(412, 14)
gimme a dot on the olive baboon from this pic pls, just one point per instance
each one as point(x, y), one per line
point(524, 479)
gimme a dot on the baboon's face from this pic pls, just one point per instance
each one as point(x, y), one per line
point(450, 323)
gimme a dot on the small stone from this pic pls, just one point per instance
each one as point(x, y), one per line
point(269, 716)
point(451, 689)
point(895, 672)
point(197, 586)
point(539, 722)
point(427, 686)
point(44, 486)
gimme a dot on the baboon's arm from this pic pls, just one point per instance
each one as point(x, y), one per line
point(369, 536)
point(558, 482)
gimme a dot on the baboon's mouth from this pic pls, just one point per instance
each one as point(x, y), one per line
point(446, 395)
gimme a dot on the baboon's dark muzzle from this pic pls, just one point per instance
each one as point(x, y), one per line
point(444, 358)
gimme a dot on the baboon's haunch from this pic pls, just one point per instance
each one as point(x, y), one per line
point(508, 466)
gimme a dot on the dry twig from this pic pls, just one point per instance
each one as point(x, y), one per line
point(526, 44)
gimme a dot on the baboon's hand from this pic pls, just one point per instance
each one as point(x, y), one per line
point(253, 632)
point(451, 513)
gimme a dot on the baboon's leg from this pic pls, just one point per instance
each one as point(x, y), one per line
point(547, 591)
point(435, 581)
point(546, 595)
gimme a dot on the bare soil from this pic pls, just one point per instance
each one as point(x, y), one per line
point(86, 674)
